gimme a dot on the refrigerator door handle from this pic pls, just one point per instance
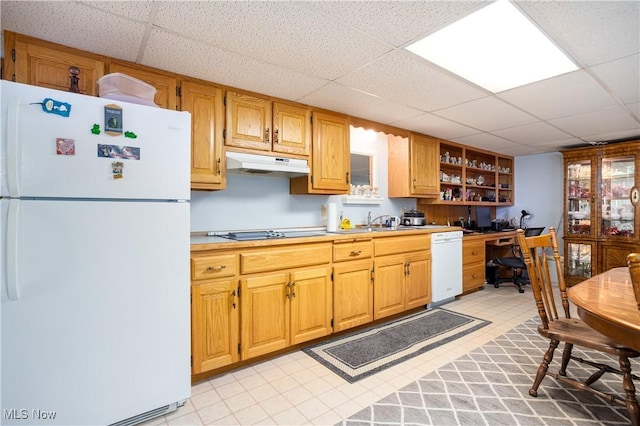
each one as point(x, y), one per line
point(14, 160)
point(13, 291)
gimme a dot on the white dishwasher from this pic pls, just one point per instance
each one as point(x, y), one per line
point(446, 266)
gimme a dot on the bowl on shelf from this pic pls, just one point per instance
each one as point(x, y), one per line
point(578, 215)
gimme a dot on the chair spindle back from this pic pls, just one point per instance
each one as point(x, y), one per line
point(538, 251)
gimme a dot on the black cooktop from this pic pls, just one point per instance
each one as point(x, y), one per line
point(254, 235)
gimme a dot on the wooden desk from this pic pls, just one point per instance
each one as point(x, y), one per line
point(606, 302)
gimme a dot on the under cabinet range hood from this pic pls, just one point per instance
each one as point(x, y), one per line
point(258, 165)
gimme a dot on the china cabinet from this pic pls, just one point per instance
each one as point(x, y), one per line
point(600, 211)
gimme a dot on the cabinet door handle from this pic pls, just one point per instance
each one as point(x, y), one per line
point(293, 290)
point(355, 253)
point(347, 180)
point(266, 135)
point(218, 167)
point(233, 299)
point(216, 268)
point(288, 290)
point(634, 196)
point(414, 182)
point(275, 136)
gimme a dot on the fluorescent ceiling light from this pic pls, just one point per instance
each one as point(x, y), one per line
point(497, 48)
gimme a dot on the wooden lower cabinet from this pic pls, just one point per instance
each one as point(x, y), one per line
point(418, 280)
point(389, 285)
point(401, 282)
point(353, 294)
point(215, 320)
point(283, 309)
point(402, 274)
point(215, 310)
point(473, 264)
point(614, 254)
point(352, 283)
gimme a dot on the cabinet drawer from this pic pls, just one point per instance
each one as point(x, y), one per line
point(395, 245)
point(473, 275)
point(213, 266)
point(472, 252)
point(279, 258)
point(352, 250)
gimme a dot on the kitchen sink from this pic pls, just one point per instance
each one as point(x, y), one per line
point(374, 229)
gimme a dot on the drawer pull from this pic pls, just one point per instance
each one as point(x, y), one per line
point(355, 253)
point(475, 275)
point(216, 268)
point(474, 252)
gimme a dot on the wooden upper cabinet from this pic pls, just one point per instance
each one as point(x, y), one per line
point(330, 163)
point(424, 165)
point(164, 82)
point(248, 121)
point(45, 64)
point(413, 167)
point(291, 129)
point(205, 103)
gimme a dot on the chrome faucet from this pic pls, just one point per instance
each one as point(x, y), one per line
point(371, 221)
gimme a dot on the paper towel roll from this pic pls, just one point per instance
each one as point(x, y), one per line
point(332, 217)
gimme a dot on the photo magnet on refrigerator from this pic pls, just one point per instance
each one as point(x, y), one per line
point(56, 107)
point(113, 120)
point(116, 169)
point(65, 146)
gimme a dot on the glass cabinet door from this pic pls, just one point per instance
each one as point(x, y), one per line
point(579, 197)
point(578, 259)
point(617, 211)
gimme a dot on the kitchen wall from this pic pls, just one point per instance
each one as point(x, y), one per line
point(251, 202)
point(264, 202)
point(539, 190)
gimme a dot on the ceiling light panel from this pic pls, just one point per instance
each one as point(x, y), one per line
point(497, 48)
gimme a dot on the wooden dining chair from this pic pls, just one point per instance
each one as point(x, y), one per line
point(557, 325)
point(633, 261)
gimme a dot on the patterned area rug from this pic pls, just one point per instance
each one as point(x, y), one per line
point(489, 386)
point(368, 351)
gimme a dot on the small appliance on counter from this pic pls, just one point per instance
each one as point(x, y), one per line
point(413, 218)
point(499, 224)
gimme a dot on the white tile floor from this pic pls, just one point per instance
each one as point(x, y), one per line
point(294, 389)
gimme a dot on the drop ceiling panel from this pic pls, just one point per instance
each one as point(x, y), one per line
point(226, 68)
point(281, 33)
point(138, 10)
point(578, 91)
point(433, 125)
point(533, 133)
point(621, 76)
point(487, 141)
point(610, 120)
point(339, 98)
point(404, 78)
point(74, 24)
point(486, 114)
point(592, 32)
point(396, 22)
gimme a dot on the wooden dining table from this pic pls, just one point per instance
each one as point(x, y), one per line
point(606, 302)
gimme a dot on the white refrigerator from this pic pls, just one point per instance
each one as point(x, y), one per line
point(95, 259)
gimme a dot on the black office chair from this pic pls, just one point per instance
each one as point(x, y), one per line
point(516, 263)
